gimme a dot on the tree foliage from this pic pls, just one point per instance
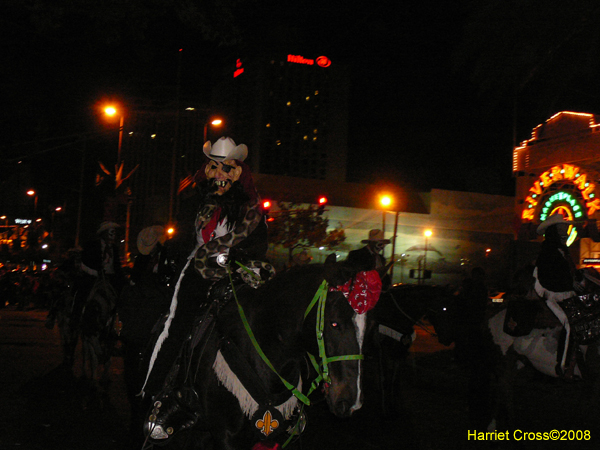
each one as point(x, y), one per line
point(294, 227)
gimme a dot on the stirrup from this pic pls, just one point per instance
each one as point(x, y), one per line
point(171, 413)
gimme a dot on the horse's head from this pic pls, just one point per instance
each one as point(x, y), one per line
point(345, 327)
point(442, 315)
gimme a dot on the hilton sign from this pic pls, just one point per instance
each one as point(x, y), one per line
point(322, 61)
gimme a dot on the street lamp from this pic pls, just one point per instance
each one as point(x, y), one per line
point(215, 122)
point(57, 209)
point(428, 233)
point(112, 111)
point(33, 193)
point(386, 201)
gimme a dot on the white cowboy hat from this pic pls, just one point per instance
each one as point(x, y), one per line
point(376, 236)
point(225, 149)
point(149, 237)
point(554, 219)
point(107, 226)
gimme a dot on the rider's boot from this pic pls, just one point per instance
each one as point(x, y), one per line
point(570, 368)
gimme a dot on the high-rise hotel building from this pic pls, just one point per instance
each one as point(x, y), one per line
point(291, 111)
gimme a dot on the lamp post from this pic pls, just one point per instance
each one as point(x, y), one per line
point(215, 122)
point(5, 226)
point(428, 233)
point(385, 201)
point(112, 111)
point(34, 194)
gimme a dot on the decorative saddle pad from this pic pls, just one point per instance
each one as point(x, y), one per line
point(583, 312)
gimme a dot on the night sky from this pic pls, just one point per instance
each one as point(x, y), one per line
point(439, 88)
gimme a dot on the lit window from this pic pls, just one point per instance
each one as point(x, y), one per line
point(306, 138)
point(190, 108)
point(278, 142)
point(131, 133)
point(307, 98)
point(314, 138)
point(316, 92)
point(153, 136)
point(315, 131)
point(289, 103)
point(268, 125)
point(297, 121)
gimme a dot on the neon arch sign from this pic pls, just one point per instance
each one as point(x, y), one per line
point(562, 172)
point(564, 203)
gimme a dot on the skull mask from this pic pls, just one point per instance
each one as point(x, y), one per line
point(223, 174)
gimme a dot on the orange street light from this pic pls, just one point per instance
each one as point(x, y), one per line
point(112, 111)
point(33, 193)
point(427, 233)
point(385, 200)
point(215, 122)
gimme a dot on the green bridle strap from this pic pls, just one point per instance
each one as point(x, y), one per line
point(299, 395)
point(319, 298)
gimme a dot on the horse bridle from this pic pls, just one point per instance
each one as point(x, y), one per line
point(322, 369)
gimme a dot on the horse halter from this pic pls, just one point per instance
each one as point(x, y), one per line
point(322, 369)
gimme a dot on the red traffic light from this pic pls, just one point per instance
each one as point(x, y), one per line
point(322, 200)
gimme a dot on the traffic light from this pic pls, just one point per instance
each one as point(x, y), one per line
point(322, 202)
point(266, 206)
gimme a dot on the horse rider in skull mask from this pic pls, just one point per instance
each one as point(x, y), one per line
point(230, 225)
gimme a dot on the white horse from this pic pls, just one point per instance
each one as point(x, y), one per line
point(539, 349)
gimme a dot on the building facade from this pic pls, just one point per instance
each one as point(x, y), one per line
point(557, 171)
point(291, 111)
point(467, 229)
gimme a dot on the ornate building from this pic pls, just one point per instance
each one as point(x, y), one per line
point(557, 171)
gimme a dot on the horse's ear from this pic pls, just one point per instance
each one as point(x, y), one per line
point(331, 259)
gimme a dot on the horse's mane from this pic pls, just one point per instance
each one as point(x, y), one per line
point(279, 305)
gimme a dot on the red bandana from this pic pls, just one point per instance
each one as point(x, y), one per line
point(365, 291)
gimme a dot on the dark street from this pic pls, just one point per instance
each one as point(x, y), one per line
point(44, 407)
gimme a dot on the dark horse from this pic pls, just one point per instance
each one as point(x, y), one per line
point(237, 392)
point(398, 311)
point(98, 335)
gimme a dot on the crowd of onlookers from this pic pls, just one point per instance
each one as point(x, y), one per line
point(25, 288)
